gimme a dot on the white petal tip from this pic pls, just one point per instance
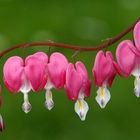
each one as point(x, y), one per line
point(136, 93)
point(101, 103)
point(103, 97)
point(26, 107)
point(49, 105)
point(81, 108)
point(1, 124)
point(137, 86)
point(82, 116)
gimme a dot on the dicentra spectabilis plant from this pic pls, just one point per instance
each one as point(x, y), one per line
point(43, 72)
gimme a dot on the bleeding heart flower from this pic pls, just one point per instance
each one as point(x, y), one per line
point(1, 119)
point(77, 87)
point(56, 76)
point(128, 59)
point(104, 74)
point(25, 75)
point(128, 63)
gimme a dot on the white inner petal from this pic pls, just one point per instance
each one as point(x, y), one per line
point(103, 96)
point(25, 89)
point(26, 106)
point(136, 71)
point(26, 86)
point(49, 85)
point(81, 94)
point(49, 100)
point(137, 86)
point(81, 108)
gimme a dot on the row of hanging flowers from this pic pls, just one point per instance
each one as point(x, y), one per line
point(42, 72)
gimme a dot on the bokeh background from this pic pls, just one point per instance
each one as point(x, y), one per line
point(79, 22)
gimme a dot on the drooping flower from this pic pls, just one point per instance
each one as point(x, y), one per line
point(104, 74)
point(128, 63)
point(56, 69)
point(25, 75)
point(1, 119)
point(128, 59)
point(78, 87)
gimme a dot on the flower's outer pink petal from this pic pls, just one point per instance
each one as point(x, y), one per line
point(73, 82)
point(135, 50)
point(125, 57)
point(112, 73)
point(44, 58)
point(86, 82)
point(13, 70)
point(57, 69)
point(102, 68)
point(117, 68)
point(136, 34)
point(35, 72)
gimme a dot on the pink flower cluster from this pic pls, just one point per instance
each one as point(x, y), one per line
point(39, 71)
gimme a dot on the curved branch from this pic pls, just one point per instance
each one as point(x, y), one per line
point(106, 44)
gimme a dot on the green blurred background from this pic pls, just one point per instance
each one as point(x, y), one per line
point(79, 22)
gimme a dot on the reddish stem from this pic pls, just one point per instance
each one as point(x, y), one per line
point(106, 44)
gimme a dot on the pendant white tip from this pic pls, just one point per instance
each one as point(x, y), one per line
point(49, 104)
point(81, 108)
point(1, 124)
point(136, 93)
point(26, 107)
point(137, 86)
point(103, 97)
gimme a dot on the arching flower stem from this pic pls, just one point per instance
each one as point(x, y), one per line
point(104, 45)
